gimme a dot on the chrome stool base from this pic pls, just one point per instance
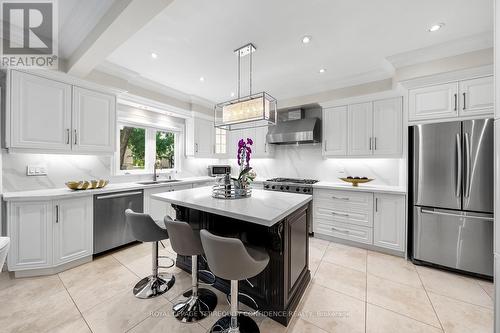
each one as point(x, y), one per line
point(152, 286)
point(195, 308)
point(245, 325)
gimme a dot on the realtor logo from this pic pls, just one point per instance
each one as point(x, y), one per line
point(29, 33)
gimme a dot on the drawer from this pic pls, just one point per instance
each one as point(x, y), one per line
point(360, 217)
point(351, 232)
point(347, 200)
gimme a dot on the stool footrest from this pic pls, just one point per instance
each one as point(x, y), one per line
point(251, 313)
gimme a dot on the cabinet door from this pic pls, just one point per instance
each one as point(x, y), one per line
point(40, 113)
point(440, 101)
point(204, 138)
point(260, 146)
point(335, 131)
point(389, 222)
point(476, 96)
point(72, 224)
point(360, 129)
point(388, 127)
point(232, 143)
point(94, 123)
point(30, 230)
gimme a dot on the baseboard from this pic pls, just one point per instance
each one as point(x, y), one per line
point(52, 270)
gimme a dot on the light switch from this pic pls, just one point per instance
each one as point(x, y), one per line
point(36, 170)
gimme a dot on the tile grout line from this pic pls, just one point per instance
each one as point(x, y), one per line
point(141, 321)
point(76, 306)
point(430, 301)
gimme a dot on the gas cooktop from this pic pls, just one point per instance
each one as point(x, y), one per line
point(290, 185)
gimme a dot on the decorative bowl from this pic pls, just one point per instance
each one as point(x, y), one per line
point(86, 184)
point(356, 181)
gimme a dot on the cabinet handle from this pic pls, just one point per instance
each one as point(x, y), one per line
point(370, 143)
point(340, 198)
point(340, 214)
point(196, 147)
point(455, 109)
point(265, 147)
point(340, 230)
point(67, 136)
point(463, 108)
point(57, 213)
point(375, 143)
point(325, 144)
point(75, 137)
point(376, 204)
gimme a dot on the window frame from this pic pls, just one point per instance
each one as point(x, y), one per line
point(149, 149)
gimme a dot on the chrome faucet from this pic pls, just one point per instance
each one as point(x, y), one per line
point(155, 170)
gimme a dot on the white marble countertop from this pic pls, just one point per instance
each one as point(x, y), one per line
point(61, 193)
point(263, 207)
point(361, 187)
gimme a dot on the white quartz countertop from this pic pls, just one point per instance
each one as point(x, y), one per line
point(361, 187)
point(61, 193)
point(263, 207)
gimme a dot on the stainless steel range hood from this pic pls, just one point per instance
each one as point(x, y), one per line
point(298, 131)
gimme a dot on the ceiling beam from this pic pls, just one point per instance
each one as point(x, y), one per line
point(123, 19)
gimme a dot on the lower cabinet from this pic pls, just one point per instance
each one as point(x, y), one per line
point(363, 217)
point(45, 234)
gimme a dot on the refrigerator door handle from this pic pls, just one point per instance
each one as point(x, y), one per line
point(459, 166)
point(469, 217)
point(467, 165)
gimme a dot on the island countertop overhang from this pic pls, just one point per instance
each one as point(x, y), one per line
point(263, 207)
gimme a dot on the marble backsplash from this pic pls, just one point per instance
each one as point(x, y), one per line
point(290, 161)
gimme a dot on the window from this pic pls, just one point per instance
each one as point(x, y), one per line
point(132, 148)
point(165, 149)
point(140, 148)
point(220, 141)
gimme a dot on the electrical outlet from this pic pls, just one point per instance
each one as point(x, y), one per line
point(36, 170)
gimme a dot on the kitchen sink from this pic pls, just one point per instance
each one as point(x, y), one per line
point(153, 182)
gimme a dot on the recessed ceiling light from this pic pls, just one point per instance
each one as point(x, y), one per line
point(202, 79)
point(435, 27)
point(154, 55)
point(322, 70)
point(306, 39)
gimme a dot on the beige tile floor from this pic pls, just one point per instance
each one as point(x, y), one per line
point(352, 290)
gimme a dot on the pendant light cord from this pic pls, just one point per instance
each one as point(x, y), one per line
point(251, 69)
point(239, 56)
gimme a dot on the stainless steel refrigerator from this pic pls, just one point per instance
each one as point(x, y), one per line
point(453, 195)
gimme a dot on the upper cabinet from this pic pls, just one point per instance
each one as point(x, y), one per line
point(94, 122)
point(364, 129)
point(451, 100)
point(260, 147)
point(200, 138)
point(53, 116)
point(335, 131)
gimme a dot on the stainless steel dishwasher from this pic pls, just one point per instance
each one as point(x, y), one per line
point(110, 228)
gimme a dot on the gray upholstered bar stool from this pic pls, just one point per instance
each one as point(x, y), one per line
point(145, 229)
point(229, 259)
point(200, 302)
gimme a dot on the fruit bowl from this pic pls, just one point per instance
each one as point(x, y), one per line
point(356, 180)
point(86, 184)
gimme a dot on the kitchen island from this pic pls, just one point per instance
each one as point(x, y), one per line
point(276, 221)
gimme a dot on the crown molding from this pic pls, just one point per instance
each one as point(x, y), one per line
point(143, 103)
point(443, 50)
point(137, 79)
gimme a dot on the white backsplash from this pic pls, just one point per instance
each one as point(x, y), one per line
point(290, 161)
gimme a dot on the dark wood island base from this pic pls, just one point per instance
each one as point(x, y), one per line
point(279, 288)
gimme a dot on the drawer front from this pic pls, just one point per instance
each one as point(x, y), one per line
point(345, 231)
point(346, 200)
point(341, 214)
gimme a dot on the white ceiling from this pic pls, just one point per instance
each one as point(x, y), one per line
point(351, 39)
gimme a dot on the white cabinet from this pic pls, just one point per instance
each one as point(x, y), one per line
point(156, 208)
point(260, 147)
point(387, 127)
point(29, 227)
point(360, 129)
point(452, 100)
point(46, 234)
point(52, 116)
point(94, 123)
point(476, 96)
point(40, 113)
point(72, 226)
point(439, 101)
point(335, 131)
point(200, 138)
point(389, 221)
point(363, 217)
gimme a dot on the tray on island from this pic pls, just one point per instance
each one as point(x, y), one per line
point(221, 191)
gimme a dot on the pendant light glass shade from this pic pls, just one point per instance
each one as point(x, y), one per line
point(256, 110)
